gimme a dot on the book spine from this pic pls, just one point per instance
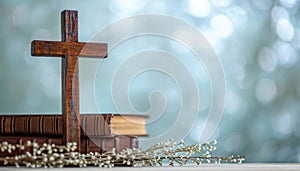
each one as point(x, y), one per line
point(46, 125)
point(52, 125)
point(96, 125)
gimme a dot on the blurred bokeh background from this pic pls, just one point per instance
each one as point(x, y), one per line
point(257, 41)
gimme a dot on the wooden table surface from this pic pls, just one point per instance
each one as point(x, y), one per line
point(203, 167)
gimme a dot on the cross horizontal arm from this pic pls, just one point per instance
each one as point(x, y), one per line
point(56, 49)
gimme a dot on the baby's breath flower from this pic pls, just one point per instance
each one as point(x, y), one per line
point(50, 155)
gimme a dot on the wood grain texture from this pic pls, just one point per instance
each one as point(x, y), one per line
point(70, 99)
point(58, 49)
point(69, 49)
point(70, 83)
point(69, 26)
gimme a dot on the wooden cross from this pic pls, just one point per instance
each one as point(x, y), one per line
point(69, 49)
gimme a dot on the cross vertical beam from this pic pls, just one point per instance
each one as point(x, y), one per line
point(70, 82)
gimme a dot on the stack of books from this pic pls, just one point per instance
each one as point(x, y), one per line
point(99, 132)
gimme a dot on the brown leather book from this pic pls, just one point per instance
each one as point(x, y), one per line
point(91, 125)
point(99, 144)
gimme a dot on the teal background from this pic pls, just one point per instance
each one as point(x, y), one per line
point(257, 41)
